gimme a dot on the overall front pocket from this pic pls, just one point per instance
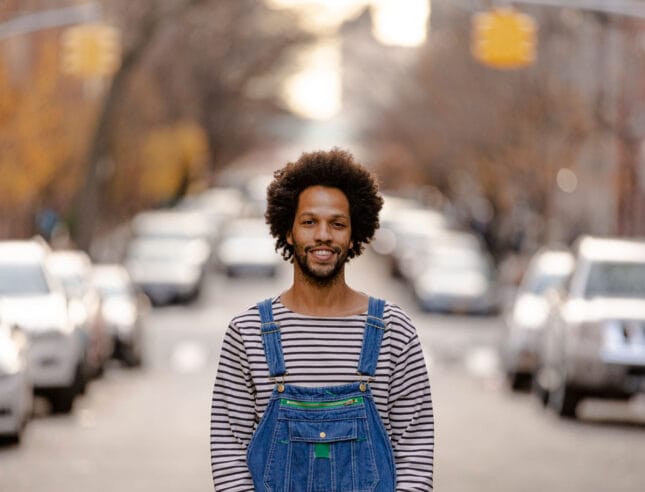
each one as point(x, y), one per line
point(322, 446)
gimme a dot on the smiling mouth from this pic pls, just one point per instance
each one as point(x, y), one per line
point(322, 254)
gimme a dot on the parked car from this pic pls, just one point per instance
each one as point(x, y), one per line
point(217, 205)
point(35, 301)
point(594, 344)
point(168, 269)
point(175, 224)
point(123, 309)
point(16, 391)
point(411, 230)
point(456, 276)
point(73, 268)
point(247, 248)
point(526, 317)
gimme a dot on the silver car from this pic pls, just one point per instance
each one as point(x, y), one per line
point(526, 317)
point(247, 249)
point(16, 392)
point(73, 268)
point(456, 275)
point(123, 311)
point(168, 269)
point(594, 343)
point(36, 302)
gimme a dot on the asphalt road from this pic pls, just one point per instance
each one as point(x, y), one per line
point(147, 430)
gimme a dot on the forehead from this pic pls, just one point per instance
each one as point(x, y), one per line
point(322, 199)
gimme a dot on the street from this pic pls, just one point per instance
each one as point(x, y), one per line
point(147, 429)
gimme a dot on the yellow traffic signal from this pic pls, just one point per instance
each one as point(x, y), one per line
point(504, 38)
point(91, 50)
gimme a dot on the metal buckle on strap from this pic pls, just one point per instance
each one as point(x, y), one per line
point(364, 380)
point(279, 381)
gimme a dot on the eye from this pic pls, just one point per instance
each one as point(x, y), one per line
point(339, 225)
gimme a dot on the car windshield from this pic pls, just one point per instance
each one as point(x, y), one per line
point(22, 279)
point(611, 279)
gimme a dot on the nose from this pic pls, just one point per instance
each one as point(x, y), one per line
point(323, 232)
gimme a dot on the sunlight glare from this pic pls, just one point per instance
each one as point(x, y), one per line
point(321, 16)
point(315, 91)
point(397, 26)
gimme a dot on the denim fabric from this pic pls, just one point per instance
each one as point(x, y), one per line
point(374, 328)
point(271, 340)
point(327, 439)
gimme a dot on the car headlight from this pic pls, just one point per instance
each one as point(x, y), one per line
point(9, 360)
point(120, 312)
point(530, 312)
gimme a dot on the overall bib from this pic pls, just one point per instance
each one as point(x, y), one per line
point(328, 439)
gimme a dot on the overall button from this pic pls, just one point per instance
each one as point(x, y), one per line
point(323, 435)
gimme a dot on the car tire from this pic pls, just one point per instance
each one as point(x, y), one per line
point(62, 400)
point(564, 400)
point(518, 381)
point(12, 439)
point(132, 359)
point(539, 391)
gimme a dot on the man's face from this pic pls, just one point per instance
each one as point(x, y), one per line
point(321, 233)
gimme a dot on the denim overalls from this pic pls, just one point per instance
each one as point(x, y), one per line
point(328, 439)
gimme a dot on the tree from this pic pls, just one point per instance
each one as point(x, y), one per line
point(201, 57)
point(488, 138)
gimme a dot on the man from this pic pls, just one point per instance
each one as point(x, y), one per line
point(322, 210)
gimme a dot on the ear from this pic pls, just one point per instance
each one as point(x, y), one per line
point(289, 238)
point(351, 244)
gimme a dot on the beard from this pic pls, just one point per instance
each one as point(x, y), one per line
point(320, 276)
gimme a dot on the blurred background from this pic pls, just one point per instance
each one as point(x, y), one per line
point(137, 139)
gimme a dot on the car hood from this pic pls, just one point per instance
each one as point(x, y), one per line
point(602, 308)
point(36, 313)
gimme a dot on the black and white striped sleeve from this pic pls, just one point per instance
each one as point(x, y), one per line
point(411, 418)
point(232, 416)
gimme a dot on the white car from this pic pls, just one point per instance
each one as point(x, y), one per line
point(248, 249)
point(16, 392)
point(36, 302)
point(123, 311)
point(526, 317)
point(73, 268)
point(168, 269)
point(594, 343)
point(456, 275)
point(174, 224)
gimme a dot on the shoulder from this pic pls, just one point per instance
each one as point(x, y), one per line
point(250, 317)
point(398, 321)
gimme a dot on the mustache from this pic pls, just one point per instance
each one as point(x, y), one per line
point(336, 249)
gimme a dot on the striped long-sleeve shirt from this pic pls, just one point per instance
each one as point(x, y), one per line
point(321, 351)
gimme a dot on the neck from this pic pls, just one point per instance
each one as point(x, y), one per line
point(334, 298)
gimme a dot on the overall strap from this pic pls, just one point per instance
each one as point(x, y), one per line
point(271, 339)
point(372, 337)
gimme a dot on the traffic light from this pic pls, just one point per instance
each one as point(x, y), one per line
point(91, 50)
point(504, 38)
